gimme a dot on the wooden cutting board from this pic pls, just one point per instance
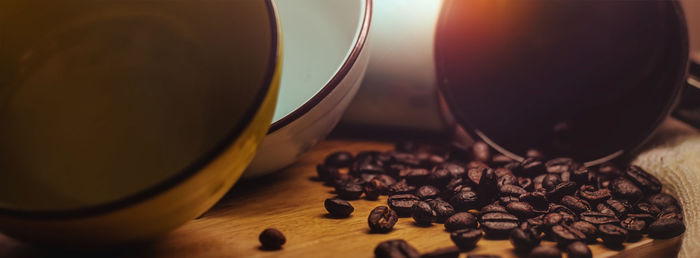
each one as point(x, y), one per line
point(293, 203)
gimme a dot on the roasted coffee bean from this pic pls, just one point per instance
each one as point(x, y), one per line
point(553, 207)
point(466, 238)
point(374, 188)
point(498, 225)
point(404, 158)
point(662, 200)
point(492, 208)
point(521, 210)
point(537, 182)
point(366, 177)
point(608, 171)
point(349, 191)
point(530, 167)
point(507, 180)
point(665, 228)
point(446, 252)
point(401, 187)
point(272, 239)
point(422, 213)
point(559, 165)
point(480, 151)
point(581, 175)
point(443, 173)
point(565, 176)
point(414, 176)
point(501, 172)
point(597, 218)
point(562, 189)
point(552, 219)
point(443, 209)
point(565, 235)
point(367, 164)
point(474, 174)
point(537, 199)
point(526, 183)
point(612, 235)
point(594, 195)
point(487, 189)
point(402, 203)
point(619, 208)
point(476, 164)
point(648, 218)
point(340, 180)
point(339, 159)
point(512, 190)
point(646, 208)
point(395, 248)
point(338, 207)
point(647, 182)
point(602, 208)
point(505, 200)
point(587, 229)
point(575, 204)
point(524, 240)
point(326, 173)
point(427, 192)
point(460, 220)
point(578, 249)
point(622, 188)
point(382, 219)
point(464, 200)
point(545, 251)
point(635, 227)
point(670, 215)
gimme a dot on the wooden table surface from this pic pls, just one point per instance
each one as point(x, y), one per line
point(293, 203)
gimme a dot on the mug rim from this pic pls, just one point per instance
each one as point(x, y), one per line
point(176, 178)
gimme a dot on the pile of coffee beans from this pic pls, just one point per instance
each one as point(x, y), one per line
point(478, 194)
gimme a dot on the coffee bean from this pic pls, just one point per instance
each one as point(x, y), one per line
point(522, 210)
point(647, 182)
point(443, 173)
point(443, 209)
point(646, 208)
point(350, 191)
point(587, 229)
point(545, 251)
point(326, 173)
point(460, 220)
point(512, 190)
point(665, 228)
point(401, 187)
point(272, 239)
point(594, 195)
point(481, 152)
point(619, 208)
point(427, 192)
point(474, 174)
point(507, 180)
point(501, 172)
point(466, 238)
point(662, 200)
point(395, 248)
point(446, 252)
point(622, 188)
point(374, 188)
point(488, 186)
point(608, 171)
point(537, 182)
point(552, 219)
point(536, 223)
point(597, 218)
point(560, 190)
point(670, 215)
point(578, 249)
point(575, 204)
point(402, 203)
point(382, 219)
point(530, 167)
point(602, 208)
point(464, 200)
point(524, 240)
point(505, 200)
point(635, 227)
point(648, 218)
point(498, 225)
point(338, 208)
point(559, 165)
point(537, 199)
point(492, 208)
point(422, 213)
point(565, 235)
point(366, 163)
point(581, 175)
point(612, 235)
point(339, 159)
point(553, 207)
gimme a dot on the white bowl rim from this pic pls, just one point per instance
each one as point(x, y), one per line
point(360, 42)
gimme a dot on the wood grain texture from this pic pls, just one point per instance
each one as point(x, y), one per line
point(293, 203)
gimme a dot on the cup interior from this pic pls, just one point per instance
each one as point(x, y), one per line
point(103, 101)
point(318, 36)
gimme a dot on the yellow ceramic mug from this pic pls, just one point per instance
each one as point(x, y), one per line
point(121, 120)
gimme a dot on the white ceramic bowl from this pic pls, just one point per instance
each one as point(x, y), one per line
point(324, 61)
